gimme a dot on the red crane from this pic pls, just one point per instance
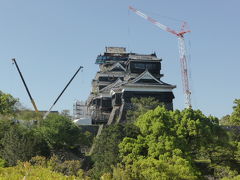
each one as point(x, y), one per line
point(182, 52)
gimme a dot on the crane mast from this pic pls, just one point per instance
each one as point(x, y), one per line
point(184, 71)
point(182, 53)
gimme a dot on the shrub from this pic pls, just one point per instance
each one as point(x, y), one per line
point(68, 168)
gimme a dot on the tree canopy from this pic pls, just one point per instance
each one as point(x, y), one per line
point(7, 103)
point(234, 118)
point(154, 144)
point(106, 151)
point(59, 132)
point(170, 142)
point(141, 106)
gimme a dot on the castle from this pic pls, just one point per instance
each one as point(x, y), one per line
point(124, 75)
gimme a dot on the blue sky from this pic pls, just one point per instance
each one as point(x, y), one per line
point(51, 39)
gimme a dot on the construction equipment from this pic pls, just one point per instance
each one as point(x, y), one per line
point(46, 114)
point(25, 85)
point(182, 52)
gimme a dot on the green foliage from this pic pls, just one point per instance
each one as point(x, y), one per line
point(106, 176)
point(7, 104)
point(39, 161)
point(231, 178)
point(18, 143)
point(225, 120)
point(27, 171)
point(59, 132)
point(28, 115)
point(106, 151)
point(54, 135)
point(141, 106)
point(66, 113)
point(120, 173)
point(233, 121)
point(172, 168)
point(237, 152)
point(18, 140)
point(88, 138)
point(234, 118)
point(221, 171)
point(160, 144)
point(2, 163)
point(171, 137)
point(69, 167)
point(41, 168)
point(5, 125)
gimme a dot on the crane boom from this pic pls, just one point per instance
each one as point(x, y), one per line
point(182, 53)
point(46, 114)
point(161, 26)
point(25, 85)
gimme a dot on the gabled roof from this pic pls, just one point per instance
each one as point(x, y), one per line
point(117, 65)
point(110, 86)
point(147, 75)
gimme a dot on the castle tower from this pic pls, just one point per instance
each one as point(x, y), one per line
point(123, 76)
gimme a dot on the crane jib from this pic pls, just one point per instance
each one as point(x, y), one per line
point(182, 52)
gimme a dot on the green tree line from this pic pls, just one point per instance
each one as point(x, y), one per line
point(154, 143)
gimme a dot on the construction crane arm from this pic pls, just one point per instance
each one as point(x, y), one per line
point(161, 26)
point(46, 114)
point(182, 52)
point(25, 85)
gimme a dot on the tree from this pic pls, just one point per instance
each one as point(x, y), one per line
point(28, 115)
point(141, 106)
point(66, 113)
point(24, 170)
point(18, 143)
point(234, 118)
point(5, 125)
point(7, 104)
point(106, 151)
point(225, 120)
point(61, 134)
point(170, 142)
point(2, 163)
point(233, 121)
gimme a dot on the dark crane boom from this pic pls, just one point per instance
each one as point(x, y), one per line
point(25, 85)
point(62, 92)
